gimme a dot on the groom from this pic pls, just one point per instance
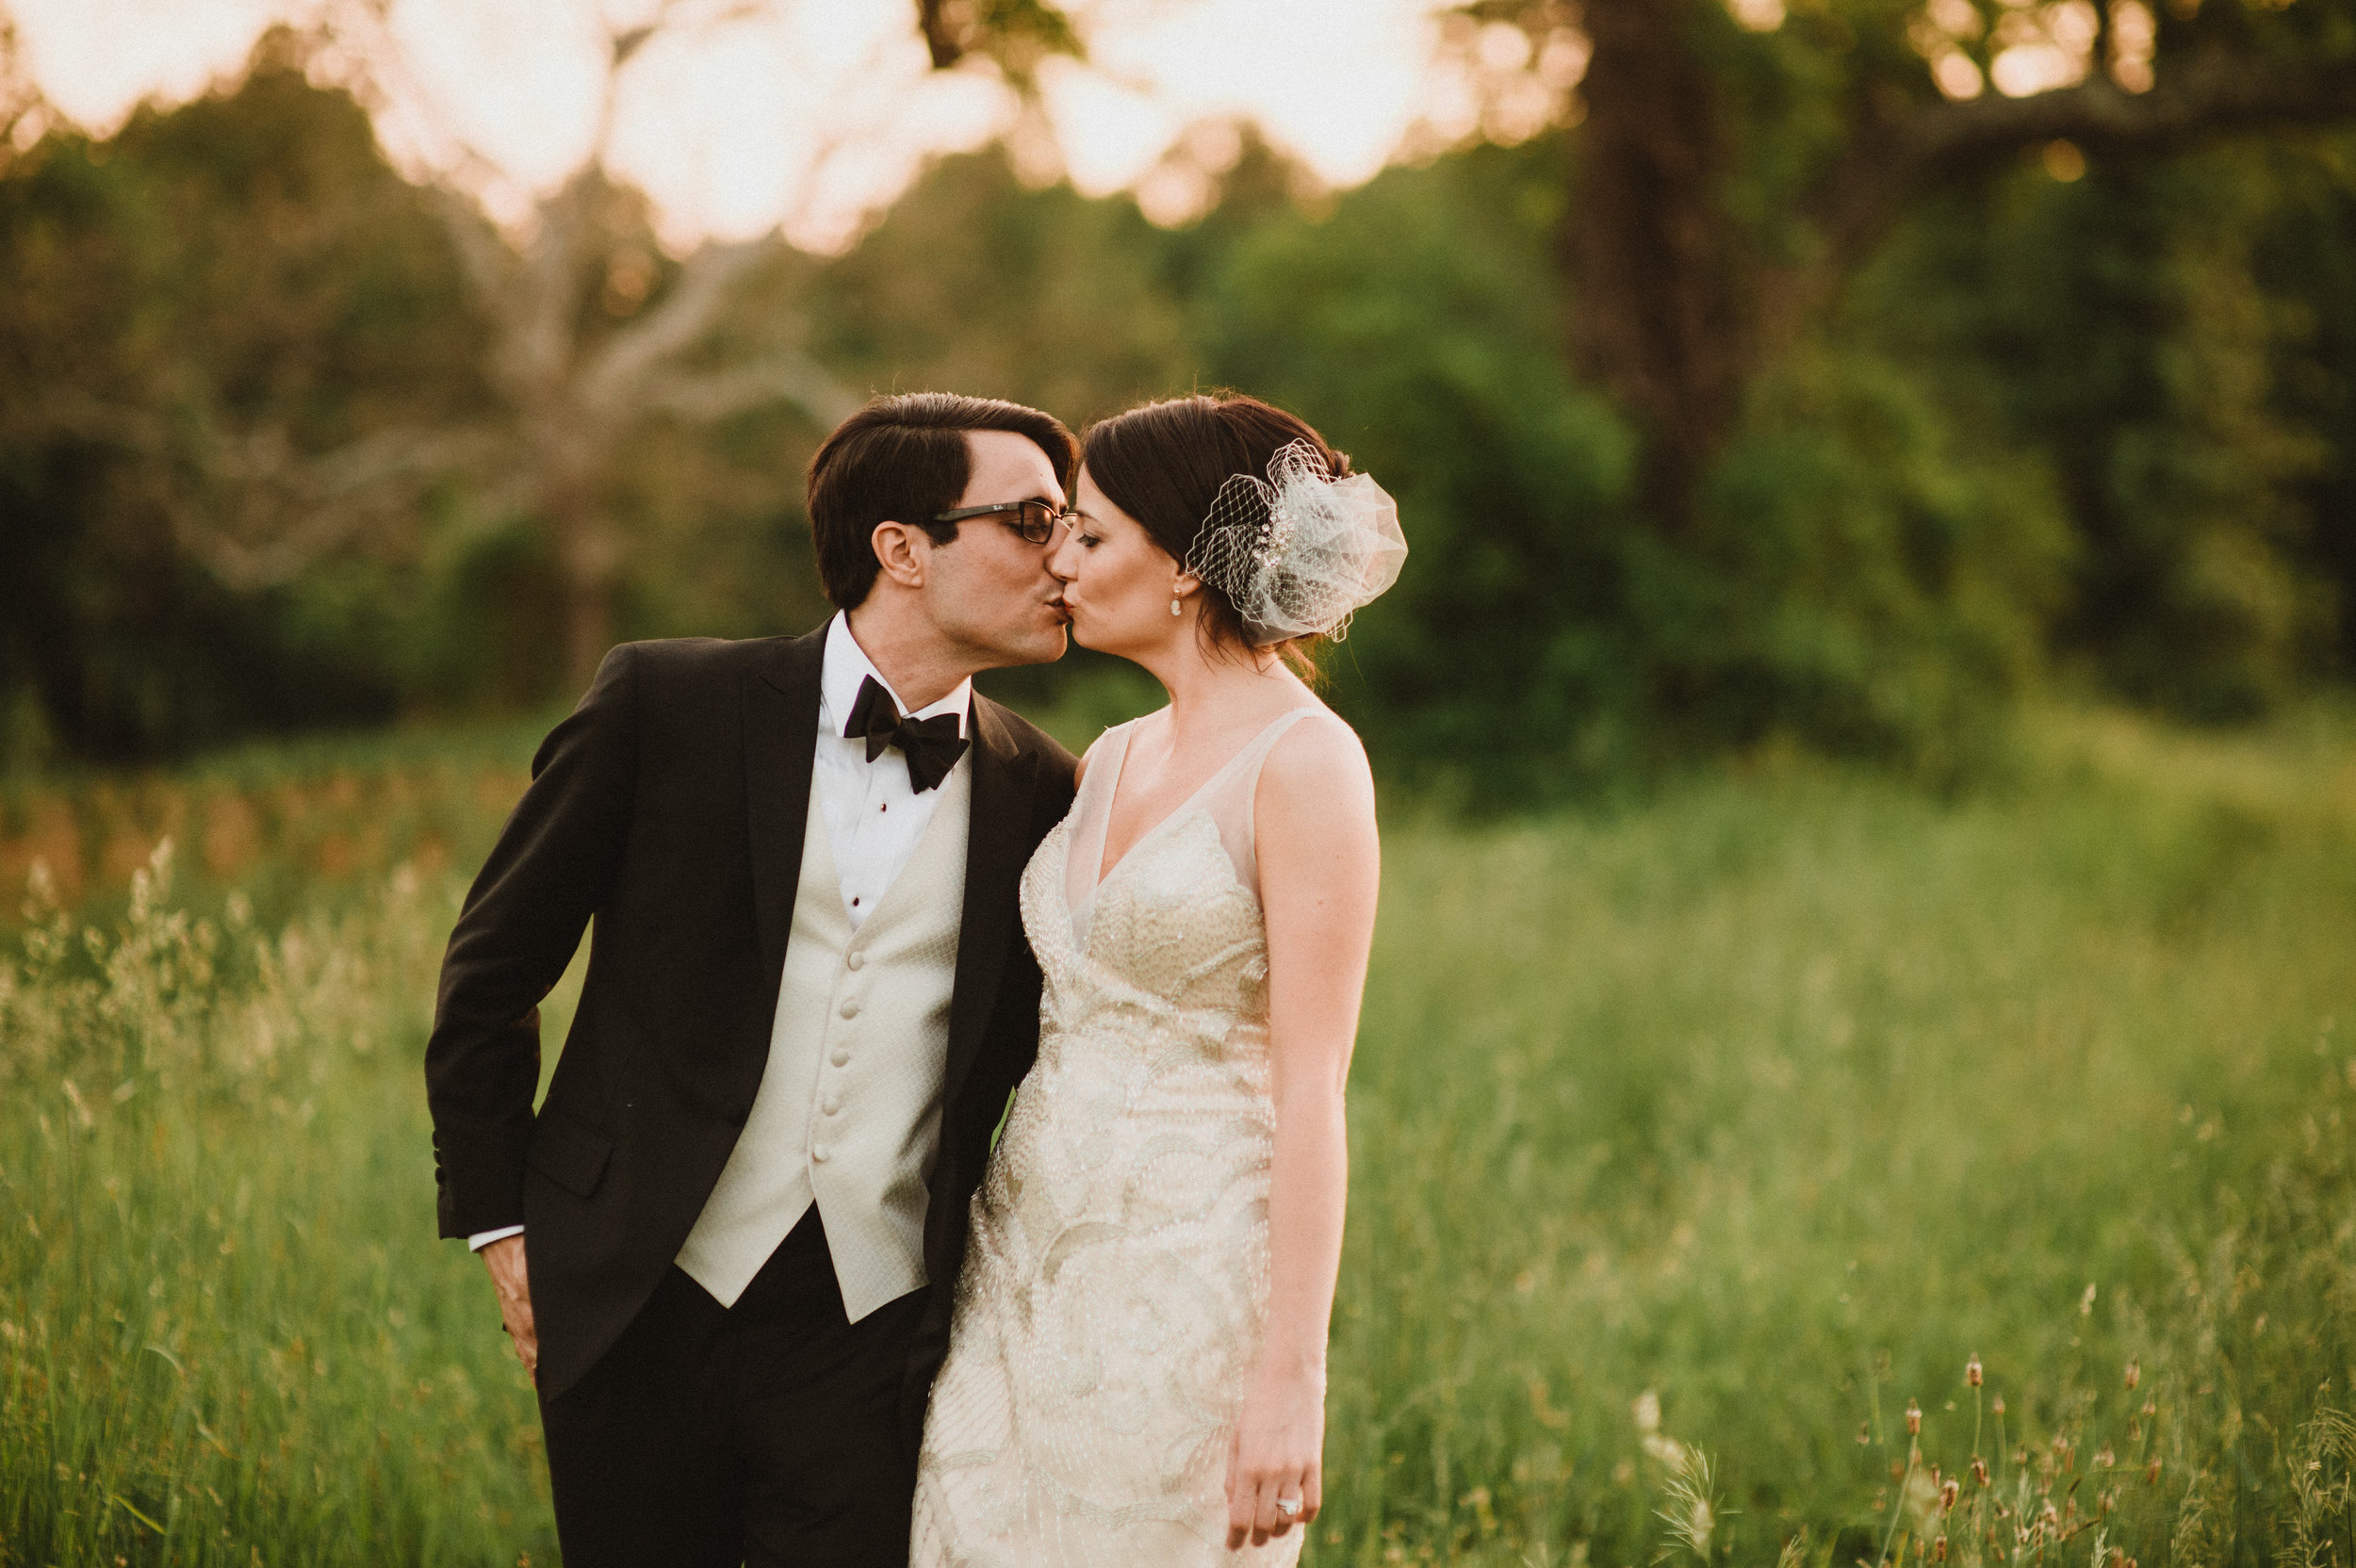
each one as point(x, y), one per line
point(742, 1202)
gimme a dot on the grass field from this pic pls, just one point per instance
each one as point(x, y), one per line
point(1697, 1143)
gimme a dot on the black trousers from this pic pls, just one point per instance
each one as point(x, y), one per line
point(765, 1434)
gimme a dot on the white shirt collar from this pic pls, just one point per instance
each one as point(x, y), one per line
point(846, 665)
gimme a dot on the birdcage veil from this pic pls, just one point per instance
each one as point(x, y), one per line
point(1299, 552)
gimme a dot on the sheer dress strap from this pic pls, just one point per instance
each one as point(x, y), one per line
point(1230, 798)
point(1092, 815)
point(1226, 797)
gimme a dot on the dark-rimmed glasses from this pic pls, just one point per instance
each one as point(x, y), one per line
point(1034, 519)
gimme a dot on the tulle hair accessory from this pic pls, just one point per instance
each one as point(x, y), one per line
point(1300, 552)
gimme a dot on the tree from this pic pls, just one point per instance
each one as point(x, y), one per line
point(577, 386)
point(1735, 164)
point(197, 305)
point(589, 337)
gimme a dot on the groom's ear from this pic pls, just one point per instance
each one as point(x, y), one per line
point(902, 551)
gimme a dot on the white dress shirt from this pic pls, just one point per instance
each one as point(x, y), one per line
point(873, 816)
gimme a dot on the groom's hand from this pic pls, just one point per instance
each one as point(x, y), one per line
point(504, 1258)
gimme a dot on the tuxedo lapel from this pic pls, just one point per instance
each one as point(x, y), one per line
point(995, 849)
point(780, 737)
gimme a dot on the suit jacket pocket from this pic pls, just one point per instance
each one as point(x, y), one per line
point(568, 1154)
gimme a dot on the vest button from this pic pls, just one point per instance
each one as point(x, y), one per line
point(850, 1008)
point(818, 1151)
point(857, 960)
point(831, 1104)
point(840, 1056)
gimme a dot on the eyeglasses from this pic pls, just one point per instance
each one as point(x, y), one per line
point(1035, 520)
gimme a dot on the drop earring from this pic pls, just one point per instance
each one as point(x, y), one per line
point(1173, 607)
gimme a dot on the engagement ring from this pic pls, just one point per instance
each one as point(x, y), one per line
point(1288, 1506)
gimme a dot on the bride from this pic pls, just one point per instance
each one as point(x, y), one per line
point(1137, 1365)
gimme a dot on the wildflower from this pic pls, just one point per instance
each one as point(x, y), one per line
point(1938, 1549)
point(2134, 1373)
point(1979, 1470)
point(2150, 1408)
point(1971, 1372)
point(2151, 1472)
point(1864, 1433)
point(1914, 1418)
point(2104, 1459)
point(1999, 1405)
point(1947, 1495)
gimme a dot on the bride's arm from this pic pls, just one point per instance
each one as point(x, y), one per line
point(1320, 864)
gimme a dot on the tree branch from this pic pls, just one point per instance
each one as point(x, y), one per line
point(2206, 95)
point(488, 264)
point(1889, 160)
point(942, 35)
point(791, 377)
point(618, 374)
point(253, 510)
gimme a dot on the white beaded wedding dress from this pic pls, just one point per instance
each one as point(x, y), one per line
point(1114, 1290)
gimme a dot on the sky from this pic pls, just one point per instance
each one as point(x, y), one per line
point(807, 114)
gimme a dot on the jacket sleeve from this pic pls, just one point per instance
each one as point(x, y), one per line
point(552, 868)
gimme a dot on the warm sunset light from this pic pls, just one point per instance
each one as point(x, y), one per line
point(807, 116)
point(1177, 783)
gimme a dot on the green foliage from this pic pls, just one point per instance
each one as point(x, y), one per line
point(248, 263)
point(2101, 426)
point(1418, 327)
point(1862, 586)
point(975, 284)
point(2120, 327)
point(1866, 582)
point(1688, 1142)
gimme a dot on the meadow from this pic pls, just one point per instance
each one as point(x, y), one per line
point(1782, 1168)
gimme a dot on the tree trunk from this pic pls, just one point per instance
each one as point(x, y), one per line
point(1663, 300)
point(589, 573)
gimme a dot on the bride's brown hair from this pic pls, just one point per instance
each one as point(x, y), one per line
point(1164, 462)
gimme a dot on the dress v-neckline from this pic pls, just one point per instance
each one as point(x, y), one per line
point(1112, 798)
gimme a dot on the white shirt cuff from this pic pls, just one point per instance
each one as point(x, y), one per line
point(481, 1239)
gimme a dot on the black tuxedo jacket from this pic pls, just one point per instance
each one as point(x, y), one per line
point(669, 810)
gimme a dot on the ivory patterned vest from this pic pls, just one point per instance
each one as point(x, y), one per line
point(849, 1112)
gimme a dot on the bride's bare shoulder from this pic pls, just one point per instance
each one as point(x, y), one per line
point(1318, 765)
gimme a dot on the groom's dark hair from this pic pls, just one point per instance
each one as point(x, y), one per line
point(903, 459)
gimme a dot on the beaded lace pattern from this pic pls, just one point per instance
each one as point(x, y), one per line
point(1114, 1290)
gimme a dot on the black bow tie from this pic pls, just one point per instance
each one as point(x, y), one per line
point(931, 746)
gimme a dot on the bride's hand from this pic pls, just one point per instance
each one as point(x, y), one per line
point(1277, 1454)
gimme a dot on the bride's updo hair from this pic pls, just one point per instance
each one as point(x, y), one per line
point(1164, 463)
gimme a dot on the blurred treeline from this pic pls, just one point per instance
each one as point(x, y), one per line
point(2082, 413)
